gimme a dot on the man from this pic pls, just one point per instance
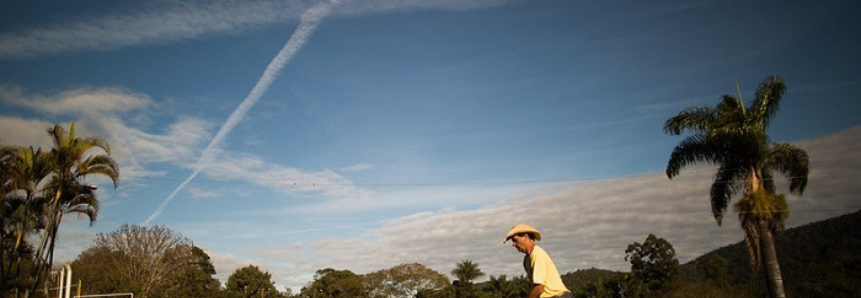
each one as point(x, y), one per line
point(546, 282)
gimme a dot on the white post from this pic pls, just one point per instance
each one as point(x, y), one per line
point(68, 281)
point(60, 283)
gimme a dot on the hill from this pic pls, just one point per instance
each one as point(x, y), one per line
point(819, 259)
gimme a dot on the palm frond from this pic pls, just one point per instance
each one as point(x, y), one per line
point(793, 163)
point(767, 100)
point(696, 120)
point(692, 149)
point(725, 185)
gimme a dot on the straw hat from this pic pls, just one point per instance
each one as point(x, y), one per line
point(522, 228)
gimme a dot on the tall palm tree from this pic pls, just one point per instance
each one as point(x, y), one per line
point(72, 159)
point(24, 172)
point(734, 137)
point(466, 271)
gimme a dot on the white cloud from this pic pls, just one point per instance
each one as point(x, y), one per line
point(180, 20)
point(24, 132)
point(102, 112)
point(231, 166)
point(86, 100)
point(357, 168)
point(203, 194)
point(147, 25)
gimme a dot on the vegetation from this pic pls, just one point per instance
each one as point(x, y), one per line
point(734, 137)
point(148, 261)
point(653, 262)
point(405, 280)
point(331, 283)
point(250, 282)
point(38, 189)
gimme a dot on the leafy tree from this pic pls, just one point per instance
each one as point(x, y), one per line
point(148, 261)
point(734, 137)
point(404, 280)
point(653, 262)
point(196, 280)
point(250, 282)
point(331, 283)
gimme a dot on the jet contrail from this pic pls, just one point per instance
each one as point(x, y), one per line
point(307, 24)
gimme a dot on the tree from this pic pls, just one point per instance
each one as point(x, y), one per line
point(40, 187)
point(653, 262)
point(501, 287)
point(148, 261)
point(331, 283)
point(250, 282)
point(72, 160)
point(734, 137)
point(404, 280)
point(196, 279)
point(467, 271)
point(24, 171)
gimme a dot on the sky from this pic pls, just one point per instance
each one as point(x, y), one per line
point(359, 135)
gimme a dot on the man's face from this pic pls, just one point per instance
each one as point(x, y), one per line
point(521, 242)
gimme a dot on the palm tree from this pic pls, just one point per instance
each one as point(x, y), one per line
point(24, 171)
point(733, 137)
point(72, 159)
point(466, 271)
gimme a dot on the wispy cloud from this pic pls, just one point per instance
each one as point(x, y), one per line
point(252, 169)
point(180, 20)
point(357, 168)
point(148, 25)
point(102, 112)
point(83, 100)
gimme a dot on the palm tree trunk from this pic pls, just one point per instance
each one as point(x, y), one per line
point(769, 255)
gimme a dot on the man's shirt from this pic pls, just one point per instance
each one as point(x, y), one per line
point(541, 270)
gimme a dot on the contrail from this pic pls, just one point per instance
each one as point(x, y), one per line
point(307, 24)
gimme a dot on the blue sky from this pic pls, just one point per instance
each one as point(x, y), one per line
point(364, 134)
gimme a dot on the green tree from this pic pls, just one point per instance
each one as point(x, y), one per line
point(331, 283)
point(502, 287)
point(250, 282)
point(196, 279)
point(734, 137)
point(40, 187)
point(653, 262)
point(24, 171)
point(72, 159)
point(467, 271)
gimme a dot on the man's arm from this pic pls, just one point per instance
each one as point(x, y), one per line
point(537, 289)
